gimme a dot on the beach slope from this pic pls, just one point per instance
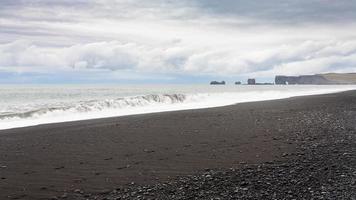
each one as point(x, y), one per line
point(302, 147)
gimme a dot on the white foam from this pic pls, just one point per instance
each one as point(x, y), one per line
point(94, 109)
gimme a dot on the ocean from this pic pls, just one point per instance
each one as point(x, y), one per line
point(29, 105)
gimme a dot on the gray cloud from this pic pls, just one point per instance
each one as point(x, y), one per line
point(285, 11)
point(256, 37)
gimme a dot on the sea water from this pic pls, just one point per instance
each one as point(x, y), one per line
point(28, 105)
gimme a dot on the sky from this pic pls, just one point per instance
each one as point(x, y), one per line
point(173, 41)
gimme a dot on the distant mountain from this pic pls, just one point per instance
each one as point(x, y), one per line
point(318, 79)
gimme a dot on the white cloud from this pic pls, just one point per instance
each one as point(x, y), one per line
point(305, 58)
point(176, 37)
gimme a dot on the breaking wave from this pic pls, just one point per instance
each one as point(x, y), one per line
point(101, 105)
point(22, 115)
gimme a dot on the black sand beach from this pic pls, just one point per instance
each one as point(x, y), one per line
point(297, 148)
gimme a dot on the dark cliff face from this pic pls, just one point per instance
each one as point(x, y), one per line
point(283, 80)
point(308, 79)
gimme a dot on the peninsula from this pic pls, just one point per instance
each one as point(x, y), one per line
point(318, 79)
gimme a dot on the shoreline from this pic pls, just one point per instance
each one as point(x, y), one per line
point(93, 157)
point(165, 111)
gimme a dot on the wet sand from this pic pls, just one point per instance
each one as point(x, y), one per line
point(96, 156)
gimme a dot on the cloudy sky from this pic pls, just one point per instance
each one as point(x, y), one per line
point(173, 41)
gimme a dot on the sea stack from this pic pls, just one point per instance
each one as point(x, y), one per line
point(217, 83)
point(251, 81)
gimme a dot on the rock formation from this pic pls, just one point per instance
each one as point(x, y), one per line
point(217, 83)
point(251, 81)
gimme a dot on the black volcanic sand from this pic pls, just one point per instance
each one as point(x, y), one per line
point(297, 148)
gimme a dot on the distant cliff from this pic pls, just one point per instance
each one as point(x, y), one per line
point(318, 79)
